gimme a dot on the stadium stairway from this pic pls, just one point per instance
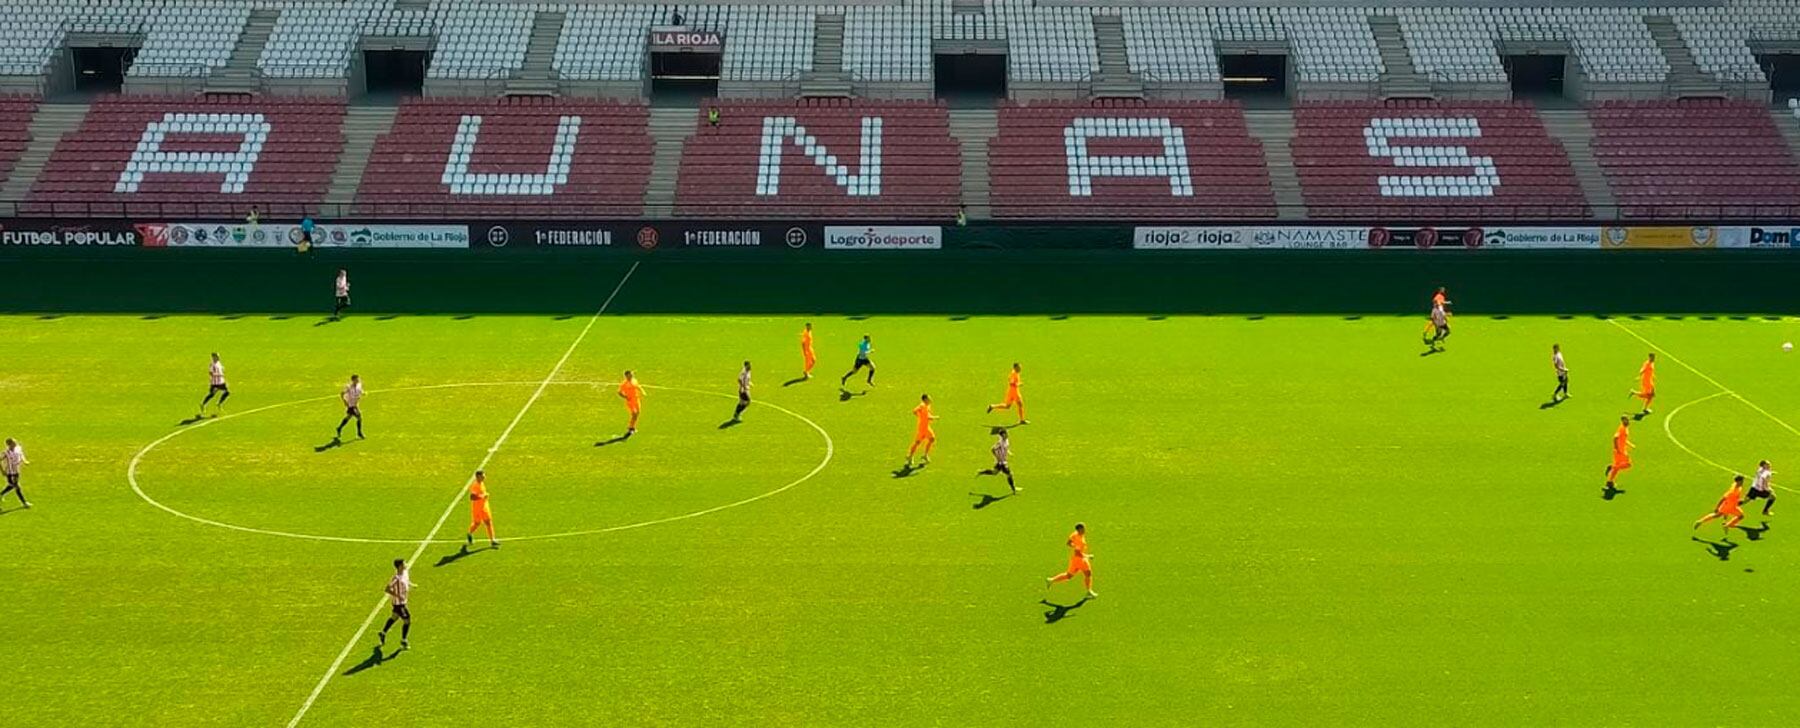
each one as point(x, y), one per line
point(1274, 129)
point(827, 76)
point(973, 129)
point(1685, 76)
point(239, 74)
point(1575, 132)
point(1114, 80)
point(670, 127)
point(1399, 78)
point(362, 126)
point(536, 76)
point(1787, 119)
point(49, 126)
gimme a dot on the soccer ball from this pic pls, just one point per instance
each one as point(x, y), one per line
point(1787, 346)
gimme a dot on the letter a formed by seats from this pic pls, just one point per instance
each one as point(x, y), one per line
point(1084, 167)
point(150, 158)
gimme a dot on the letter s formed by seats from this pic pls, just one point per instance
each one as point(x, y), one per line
point(1483, 179)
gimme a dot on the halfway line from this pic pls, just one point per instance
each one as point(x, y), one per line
point(457, 499)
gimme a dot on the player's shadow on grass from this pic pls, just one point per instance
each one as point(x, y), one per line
point(190, 420)
point(845, 395)
point(336, 442)
point(614, 440)
point(794, 381)
point(375, 659)
point(1060, 611)
point(459, 555)
point(907, 470)
point(1720, 550)
point(1608, 492)
point(728, 424)
point(326, 321)
point(1754, 534)
point(1552, 404)
point(987, 500)
point(1639, 417)
point(1430, 351)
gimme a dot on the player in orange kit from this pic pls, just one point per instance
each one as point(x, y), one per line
point(1080, 561)
point(478, 511)
point(633, 394)
point(1646, 383)
point(923, 434)
point(1729, 508)
point(1621, 452)
point(1012, 395)
point(807, 357)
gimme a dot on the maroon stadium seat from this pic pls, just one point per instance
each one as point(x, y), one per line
point(171, 157)
point(15, 122)
point(736, 170)
point(508, 163)
point(1128, 160)
point(1695, 158)
point(1491, 160)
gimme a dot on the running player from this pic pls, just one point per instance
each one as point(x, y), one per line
point(1080, 562)
point(10, 463)
point(1012, 395)
point(743, 393)
point(807, 357)
point(1762, 489)
point(341, 289)
point(1562, 374)
point(1002, 452)
point(1646, 383)
point(923, 434)
point(1621, 452)
point(479, 515)
point(863, 349)
point(1437, 301)
point(397, 589)
point(352, 397)
point(216, 376)
point(633, 394)
point(1729, 507)
point(1440, 326)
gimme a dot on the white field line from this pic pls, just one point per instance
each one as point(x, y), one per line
point(131, 469)
point(425, 541)
point(1723, 391)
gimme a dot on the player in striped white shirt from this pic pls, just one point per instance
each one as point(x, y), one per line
point(1562, 374)
point(1002, 457)
point(1762, 489)
point(10, 463)
point(341, 290)
point(215, 375)
point(743, 393)
point(397, 590)
point(352, 397)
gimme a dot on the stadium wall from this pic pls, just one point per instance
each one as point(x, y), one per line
point(1041, 269)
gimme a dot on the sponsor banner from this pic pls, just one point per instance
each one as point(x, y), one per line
point(1510, 237)
point(699, 235)
point(45, 232)
point(548, 235)
point(1697, 236)
point(1425, 238)
point(672, 38)
point(1244, 237)
point(884, 237)
point(1761, 236)
point(324, 235)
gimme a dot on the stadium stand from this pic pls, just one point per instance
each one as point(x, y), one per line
point(173, 156)
point(1178, 44)
point(1695, 158)
point(1462, 44)
point(1143, 160)
point(537, 157)
point(15, 134)
point(1493, 159)
point(822, 159)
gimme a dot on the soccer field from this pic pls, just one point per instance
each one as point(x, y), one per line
point(1297, 519)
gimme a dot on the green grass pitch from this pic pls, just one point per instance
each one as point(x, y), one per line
point(1297, 520)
